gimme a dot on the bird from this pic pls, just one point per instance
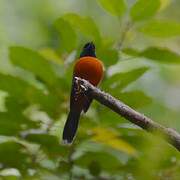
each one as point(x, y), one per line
point(90, 68)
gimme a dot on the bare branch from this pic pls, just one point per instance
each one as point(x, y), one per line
point(172, 136)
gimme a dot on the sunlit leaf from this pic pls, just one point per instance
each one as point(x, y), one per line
point(161, 55)
point(51, 54)
point(110, 138)
point(144, 9)
point(121, 80)
point(114, 7)
point(161, 28)
point(68, 39)
point(33, 62)
point(85, 26)
point(164, 4)
point(158, 54)
point(131, 51)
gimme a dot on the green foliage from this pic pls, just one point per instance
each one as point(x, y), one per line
point(12, 155)
point(161, 55)
point(157, 54)
point(110, 139)
point(109, 55)
point(114, 7)
point(40, 40)
point(120, 80)
point(26, 93)
point(135, 99)
point(13, 121)
point(49, 144)
point(162, 29)
point(66, 32)
point(85, 26)
point(98, 159)
point(143, 9)
point(32, 61)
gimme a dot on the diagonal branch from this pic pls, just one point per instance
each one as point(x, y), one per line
point(172, 136)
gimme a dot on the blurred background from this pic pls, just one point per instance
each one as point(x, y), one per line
point(139, 44)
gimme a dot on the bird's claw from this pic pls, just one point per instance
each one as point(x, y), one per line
point(83, 88)
point(80, 85)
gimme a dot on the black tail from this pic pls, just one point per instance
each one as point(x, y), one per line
point(70, 127)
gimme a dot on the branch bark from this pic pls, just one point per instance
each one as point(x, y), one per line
point(170, 135)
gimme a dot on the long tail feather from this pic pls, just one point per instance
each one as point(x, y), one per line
point(71, 127)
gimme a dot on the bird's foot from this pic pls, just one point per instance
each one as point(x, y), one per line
point(81, 89)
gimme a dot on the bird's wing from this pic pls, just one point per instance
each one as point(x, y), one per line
point(79, 101)
point(87, 103)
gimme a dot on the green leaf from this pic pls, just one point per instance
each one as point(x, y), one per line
point(12, 154)
point(161, 55)
point(13, 121)
point(85, 26)
point(105, 117)
point(121, 80)
point(33, 62)
point(94, 168)
point(111, 165)
point(144, 9)
point(114, 7)
point(19, 86)
point(108, 56)
point(162, 29)
point(135, 99)
point(51, 55)
point(164, 4)
point(27, 94)
point(49, 143)
point(131, 52)
point(111, 138)
point(68, 39)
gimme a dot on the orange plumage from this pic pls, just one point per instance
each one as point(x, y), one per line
point(90, 68)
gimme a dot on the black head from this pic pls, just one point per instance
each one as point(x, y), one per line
point(88, 50)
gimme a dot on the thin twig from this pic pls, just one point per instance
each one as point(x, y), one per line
point(172, 136)
point(124, 34)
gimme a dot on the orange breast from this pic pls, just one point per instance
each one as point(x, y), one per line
point(90, 69)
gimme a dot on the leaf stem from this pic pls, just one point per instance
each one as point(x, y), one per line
point(127, 28)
